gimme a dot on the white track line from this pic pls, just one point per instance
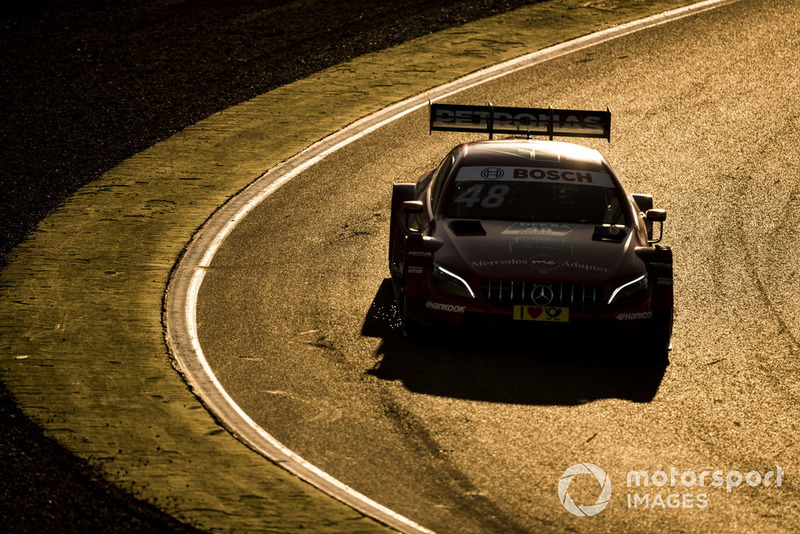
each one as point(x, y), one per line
point(188, 274)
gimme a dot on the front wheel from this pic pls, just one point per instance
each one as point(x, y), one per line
point(652, 345)
point(412, 329)
point(655, 350)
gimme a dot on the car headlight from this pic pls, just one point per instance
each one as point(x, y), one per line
point(629, 291)
point(448, 281)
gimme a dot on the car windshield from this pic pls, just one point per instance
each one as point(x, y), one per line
point(535, 195)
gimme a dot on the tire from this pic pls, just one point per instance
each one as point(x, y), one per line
point(657, 351)
point(412, 329)
point(653, 344)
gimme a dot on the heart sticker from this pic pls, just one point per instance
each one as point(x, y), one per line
point(534, 311)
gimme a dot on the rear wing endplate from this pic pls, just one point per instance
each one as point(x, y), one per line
point(520, 121)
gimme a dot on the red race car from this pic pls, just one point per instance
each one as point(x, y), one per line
point(529, 233)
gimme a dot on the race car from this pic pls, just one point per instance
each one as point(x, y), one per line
point(529, 234)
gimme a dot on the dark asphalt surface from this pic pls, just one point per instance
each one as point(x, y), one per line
point(295, 312)
point(86, 84)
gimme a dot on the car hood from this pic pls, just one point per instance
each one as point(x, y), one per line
point(544, 252)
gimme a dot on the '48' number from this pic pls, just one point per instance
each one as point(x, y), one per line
point(494, 196)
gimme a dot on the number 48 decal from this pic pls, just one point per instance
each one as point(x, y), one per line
point(494, 196)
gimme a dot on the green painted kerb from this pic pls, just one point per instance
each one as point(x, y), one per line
point(80, 303)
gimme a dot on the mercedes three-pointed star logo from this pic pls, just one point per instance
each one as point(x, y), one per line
point(542, 295)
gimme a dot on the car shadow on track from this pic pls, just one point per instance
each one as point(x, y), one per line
point(500, 367)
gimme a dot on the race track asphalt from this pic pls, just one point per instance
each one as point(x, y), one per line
point(64, 148)
point(295, 311)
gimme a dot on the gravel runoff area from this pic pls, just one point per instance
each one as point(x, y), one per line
point(87, 84)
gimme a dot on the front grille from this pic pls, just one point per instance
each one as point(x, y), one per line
point(576, 297)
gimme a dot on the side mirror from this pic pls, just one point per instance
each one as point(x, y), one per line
point(410, 208)
point(658, 216)
point(413, 206)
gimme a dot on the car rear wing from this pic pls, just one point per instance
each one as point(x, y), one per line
point(520, 121)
